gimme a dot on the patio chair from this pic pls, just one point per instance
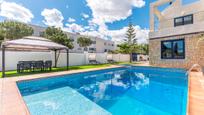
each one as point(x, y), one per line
point(20, 66)
point(24, 65)
point(111, 61)
point(92, 59)
point(94, 62)
point(38, 65)
point(48, 65)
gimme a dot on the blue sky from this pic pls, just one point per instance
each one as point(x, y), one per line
point(103, 18)
point(74, 9)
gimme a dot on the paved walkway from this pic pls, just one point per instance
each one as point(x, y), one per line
point(196, 94)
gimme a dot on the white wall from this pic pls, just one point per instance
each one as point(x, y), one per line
point(121, 57)
point(74, 59)
point(101, 57)
point(12, 58)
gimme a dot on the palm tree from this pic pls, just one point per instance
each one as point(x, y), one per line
point(84, 42)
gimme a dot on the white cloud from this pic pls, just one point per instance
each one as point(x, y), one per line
point(94, 33)
point(112, 10)
point(108, 11)
point(103, 11)
point(85, 15)
point(138, 3)
point(74, 28)
point(118, 36)
point(52, 17)
point(13, 11)
point(71, 20)
point(142, 36)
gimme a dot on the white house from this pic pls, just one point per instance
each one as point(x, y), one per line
point(99, 45)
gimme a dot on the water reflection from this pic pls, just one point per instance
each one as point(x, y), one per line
point(142, 82)
point(112, 85)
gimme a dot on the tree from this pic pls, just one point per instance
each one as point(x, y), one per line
point(1, 38)
point(130, 45)
point(124, 48)
point(84, 42)
point(58, 36)
point(145, 48)
point(14, 30)
point(130, 41)
point(130, 34)
point(135, 48)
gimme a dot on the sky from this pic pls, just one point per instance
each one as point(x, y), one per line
point(107, 19)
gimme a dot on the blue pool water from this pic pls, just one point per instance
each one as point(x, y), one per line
point(119, 91)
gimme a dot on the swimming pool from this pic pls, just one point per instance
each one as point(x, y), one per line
point(118, 91)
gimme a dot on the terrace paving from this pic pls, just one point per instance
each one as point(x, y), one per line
point(196, 94)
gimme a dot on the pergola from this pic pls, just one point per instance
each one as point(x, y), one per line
point(32, 43)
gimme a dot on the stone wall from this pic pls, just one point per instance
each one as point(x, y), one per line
point(194, 52)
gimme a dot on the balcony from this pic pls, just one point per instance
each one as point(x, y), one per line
point(179, 30)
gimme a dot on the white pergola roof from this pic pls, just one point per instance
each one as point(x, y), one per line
point(33, 43)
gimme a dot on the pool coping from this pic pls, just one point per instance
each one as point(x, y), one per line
point(195, 94)
point(12, 102)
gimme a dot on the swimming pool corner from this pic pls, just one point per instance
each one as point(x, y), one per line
point(11, 101)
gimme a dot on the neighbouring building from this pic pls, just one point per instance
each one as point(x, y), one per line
point(176, 33)
point(99, 45)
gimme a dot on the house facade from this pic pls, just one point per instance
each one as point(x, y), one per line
point(176, 33)
point(99, 45)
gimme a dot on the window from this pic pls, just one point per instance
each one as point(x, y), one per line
point(92, 49)
point(188, 19)
point(178, 49)
point(184, 20)
point(166, 50)
point(178, 21)
point(173, 49)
